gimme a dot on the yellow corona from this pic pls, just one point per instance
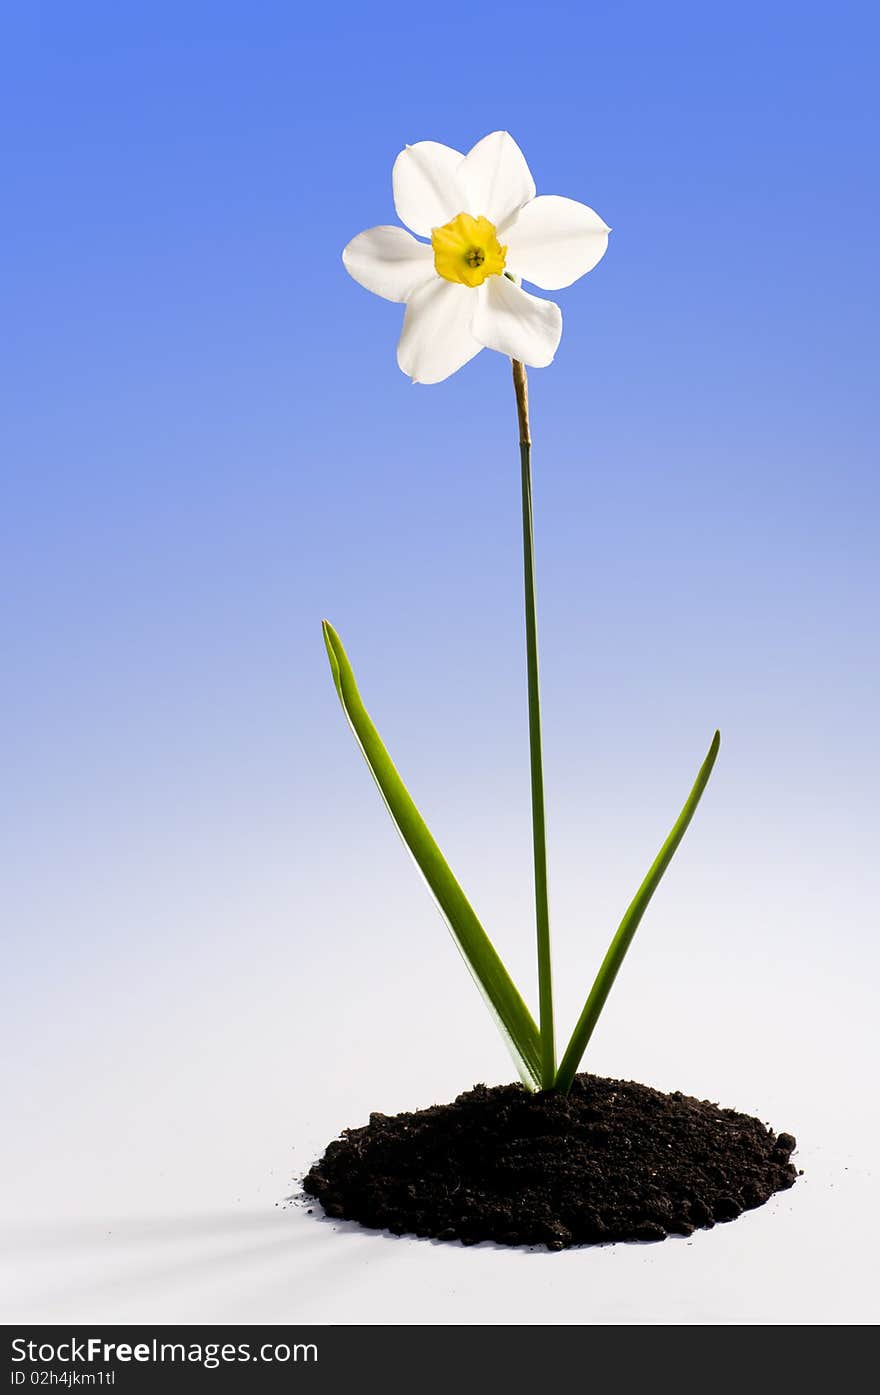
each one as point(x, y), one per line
point(467, 250)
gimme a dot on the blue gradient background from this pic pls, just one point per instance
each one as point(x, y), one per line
point(208, 447)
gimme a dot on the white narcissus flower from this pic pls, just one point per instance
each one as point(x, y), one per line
point(487, 232)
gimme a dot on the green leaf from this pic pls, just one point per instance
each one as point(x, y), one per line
point(628, 926)
point(499, 991)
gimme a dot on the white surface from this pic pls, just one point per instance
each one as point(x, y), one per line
point(250, 1264)
point(150, 1158)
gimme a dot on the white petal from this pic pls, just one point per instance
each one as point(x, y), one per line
point(518, 324)
point(389, 262)
point(426, 189)
point(437, 338)
point(553, 241)
point(495, 178)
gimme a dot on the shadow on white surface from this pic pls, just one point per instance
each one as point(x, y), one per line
point(123, 1267)
point(784, 1263)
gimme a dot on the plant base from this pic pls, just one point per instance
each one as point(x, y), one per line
point(612, 1160)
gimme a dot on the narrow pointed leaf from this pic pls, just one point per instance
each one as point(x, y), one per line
point(498, 989)
point(628, 926)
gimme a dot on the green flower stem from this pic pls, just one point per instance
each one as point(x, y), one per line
point(542, 910)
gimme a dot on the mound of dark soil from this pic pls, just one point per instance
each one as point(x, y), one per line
point(610, 1161)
